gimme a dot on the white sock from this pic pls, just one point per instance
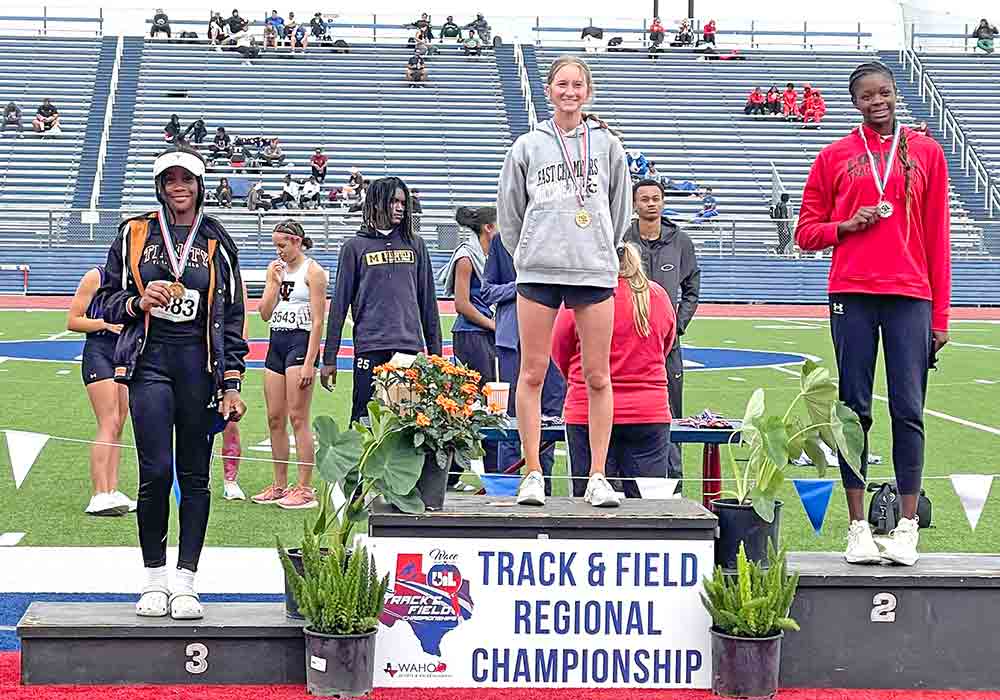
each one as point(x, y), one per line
point(184, 581)
point(156, 577)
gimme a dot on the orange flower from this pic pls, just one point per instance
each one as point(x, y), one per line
point(419, 388)
point(411, 374)
point(495, 408)
point(447, 404)
point(474, 376)
point(422, 420)
point(467, 411)
point(469, 389)
point(486, 391)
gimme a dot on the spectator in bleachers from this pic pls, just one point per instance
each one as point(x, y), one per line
point(684, 37)
point(708, 33)
point(318, 164)
point(237, 27)
point(755, 102)
point(247, 47)
point(290, 26)
point(984, 35)
point(652, 173)
point(362, 194)
point(773, 100)
point(240, 157)
point(355, 182)
point(806, 95)
point(257, 198)
point(418, 208)
point(221, 146)
point(815, 109)
point(416, 70)
point(173, 129)
point(790, 103)
point(216, 30)
point(270, 37)
point(709, 206)
point(656, 32)
point(481, 26)
point(423, 25)
point(46, 118)
point(781, 216)
point(12, 118)
point(335, 196)
point(450, 30)
point(638, 165)
point(277, 23)
point(319, 27)
point(161, 24)
point(473, 45)
point(289, 194)
point(273, 156)
point(300, 37)
point(309, 194)
point(224, 194)
point(196, 130)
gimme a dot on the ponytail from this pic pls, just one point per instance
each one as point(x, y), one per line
point(631, 270)
point(904, 158)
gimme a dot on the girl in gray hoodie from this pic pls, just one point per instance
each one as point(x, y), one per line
point(564, 205)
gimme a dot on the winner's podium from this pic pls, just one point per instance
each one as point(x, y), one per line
point(489, 593)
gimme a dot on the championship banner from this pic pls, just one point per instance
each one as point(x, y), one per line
point(543, 613)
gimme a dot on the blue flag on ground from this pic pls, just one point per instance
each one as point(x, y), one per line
point(815, 497)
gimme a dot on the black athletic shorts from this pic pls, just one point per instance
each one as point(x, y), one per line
point(98, 358)
point(287, 349)
point(555, 295)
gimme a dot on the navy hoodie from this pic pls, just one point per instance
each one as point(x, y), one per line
point(388, 285)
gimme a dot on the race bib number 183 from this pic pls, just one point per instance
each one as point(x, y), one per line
point(179, 310)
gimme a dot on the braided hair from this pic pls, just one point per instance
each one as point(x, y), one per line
point(903, 148)
point(377, 210)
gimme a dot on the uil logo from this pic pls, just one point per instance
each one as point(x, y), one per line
point(285, 292)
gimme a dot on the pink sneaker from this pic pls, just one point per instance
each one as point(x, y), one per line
point(299, 497)
point(272, 494)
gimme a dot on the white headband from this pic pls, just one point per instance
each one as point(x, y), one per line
point(190, 162)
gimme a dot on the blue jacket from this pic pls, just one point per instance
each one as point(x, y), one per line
point(499, 287)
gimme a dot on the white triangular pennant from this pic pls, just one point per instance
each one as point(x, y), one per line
point(972, 490)
point(656, 487)
point(23, 449)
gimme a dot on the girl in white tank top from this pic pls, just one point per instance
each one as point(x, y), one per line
point(292, 311)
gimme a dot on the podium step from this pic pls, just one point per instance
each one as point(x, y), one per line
point(108, 644)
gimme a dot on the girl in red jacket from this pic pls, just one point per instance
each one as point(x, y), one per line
point(773, 101)
point(879, 197)
point(790, 102)
point(643, 335)
point(755, 102)
point(815, 108)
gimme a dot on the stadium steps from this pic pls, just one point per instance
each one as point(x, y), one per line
point(95, 124)
point(542, 110)
point(517, 115)
point(122, 119)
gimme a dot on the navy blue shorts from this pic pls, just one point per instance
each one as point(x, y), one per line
point(98, 358)
point(555, 295)
point(287, 349)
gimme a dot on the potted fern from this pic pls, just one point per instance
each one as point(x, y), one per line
point(749, 618)
point(341, 597)
point(750, 514)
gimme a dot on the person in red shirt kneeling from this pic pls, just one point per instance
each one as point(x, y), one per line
point(879, 198)
point(643, 335)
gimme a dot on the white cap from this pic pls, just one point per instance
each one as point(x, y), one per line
point(190, 162)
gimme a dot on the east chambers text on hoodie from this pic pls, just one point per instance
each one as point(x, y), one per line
point(537, 207)
point(388, 285)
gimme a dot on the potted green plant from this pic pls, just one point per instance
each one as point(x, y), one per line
point(749, 617)
point(750, 513)
point(341, 598)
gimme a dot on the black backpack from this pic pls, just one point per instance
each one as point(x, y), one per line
point(884, 508)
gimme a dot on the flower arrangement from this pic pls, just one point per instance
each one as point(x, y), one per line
point(442, 404)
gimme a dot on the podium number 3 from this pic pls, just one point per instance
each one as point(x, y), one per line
point(198, 653)
point(884, 607)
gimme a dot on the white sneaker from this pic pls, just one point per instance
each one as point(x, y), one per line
point(900, 547)
point(231, 491)
point(861, 547)
point(600, 493)
point(124, 500)
point(106, 504)
point(531, 491)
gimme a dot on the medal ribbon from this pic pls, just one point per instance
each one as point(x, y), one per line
point(578, 190)
point(176, 265)
point(883, 180)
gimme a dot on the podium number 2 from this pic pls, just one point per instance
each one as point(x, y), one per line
point(884, 607)
point(198, 653)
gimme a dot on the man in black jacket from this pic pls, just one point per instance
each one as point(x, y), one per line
point(668, 256)
point(161, 23)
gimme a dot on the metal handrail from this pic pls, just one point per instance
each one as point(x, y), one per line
point(522, 74)
point(946, 120)
point(106, 130)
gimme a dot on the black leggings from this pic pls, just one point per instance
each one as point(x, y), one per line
point(169, 392)
point(856, 320)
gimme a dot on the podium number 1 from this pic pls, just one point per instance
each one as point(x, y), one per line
point(198, 653)
point(884, 607)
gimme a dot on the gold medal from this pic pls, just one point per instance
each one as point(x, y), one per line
point(583, 218)
point(884, 209)
point(176, 290)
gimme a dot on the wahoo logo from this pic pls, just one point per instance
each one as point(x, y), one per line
point(838, 308)
point(668, 267)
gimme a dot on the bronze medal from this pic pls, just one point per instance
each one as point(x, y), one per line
point(176, 290)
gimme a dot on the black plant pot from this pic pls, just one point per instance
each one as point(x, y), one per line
point(740, 523)
point(339, 665)
point(433, 482)
point(743, 667)
point(291, 606)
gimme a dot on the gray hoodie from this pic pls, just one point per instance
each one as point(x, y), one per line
point(537, 206)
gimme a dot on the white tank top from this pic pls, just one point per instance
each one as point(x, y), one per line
point(292, 311)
